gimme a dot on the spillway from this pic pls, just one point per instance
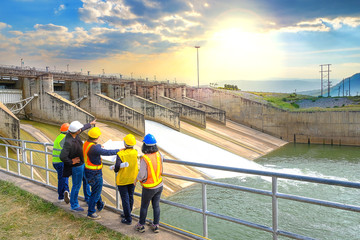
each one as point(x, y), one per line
point(187, 148)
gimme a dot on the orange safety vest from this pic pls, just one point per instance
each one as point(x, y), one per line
point(88, 163)
point(154, 170)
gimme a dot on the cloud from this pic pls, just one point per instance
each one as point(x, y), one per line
point(59, 9)
point(4, 25)
point(324, 25)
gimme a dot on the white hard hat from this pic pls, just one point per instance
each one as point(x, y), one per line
point(75, 126)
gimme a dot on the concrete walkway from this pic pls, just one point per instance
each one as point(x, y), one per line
point(108, 219)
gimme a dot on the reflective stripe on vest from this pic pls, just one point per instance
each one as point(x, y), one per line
point(57, 148)
point(88, 163)
point(153, 179)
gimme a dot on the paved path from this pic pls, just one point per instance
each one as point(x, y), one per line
point(108, 219)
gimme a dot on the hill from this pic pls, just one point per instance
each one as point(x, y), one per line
point(280, 86)
point(347, 87)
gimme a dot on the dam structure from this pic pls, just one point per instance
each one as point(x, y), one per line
point(223, 119)
point(57, 97)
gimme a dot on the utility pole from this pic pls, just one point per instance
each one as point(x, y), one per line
point(197, 53)
point(349, 87)
point(325, 73)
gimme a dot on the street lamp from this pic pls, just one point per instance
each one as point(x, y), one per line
point(197, 53)
point(21, 63)
point(67, 67)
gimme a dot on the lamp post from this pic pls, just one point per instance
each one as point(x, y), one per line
point(197, 53)
point(21, 62)
point(67, 67)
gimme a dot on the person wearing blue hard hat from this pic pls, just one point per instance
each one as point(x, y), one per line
point(151, 168)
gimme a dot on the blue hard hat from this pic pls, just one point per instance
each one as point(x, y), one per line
point(149, 140)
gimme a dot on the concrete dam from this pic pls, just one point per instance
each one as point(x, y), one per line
point(224, 118)
point(56, 98)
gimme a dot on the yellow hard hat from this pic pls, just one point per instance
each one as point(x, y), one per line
point(130, 140)
point(94, 132)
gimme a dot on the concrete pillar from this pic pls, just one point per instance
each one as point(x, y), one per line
point(115, 91)
point(94, 86)
point(78, 90)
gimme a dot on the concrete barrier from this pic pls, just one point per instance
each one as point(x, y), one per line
point(9, 124)
point(50, 107)
point(187, 113)
point(106, 108)
point(153, 111)
point(211, 112)
point(322, 127)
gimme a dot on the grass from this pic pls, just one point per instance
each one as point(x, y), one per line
point(288, 102)
point(26, 216)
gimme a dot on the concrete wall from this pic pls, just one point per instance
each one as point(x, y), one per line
point(48, 106)
point(327, 127)
point(9, 124)
point(153, 111)
point(211, 112)
point(106, 108)
point(187, 113)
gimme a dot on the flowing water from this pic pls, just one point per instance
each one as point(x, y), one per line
point(333, 162)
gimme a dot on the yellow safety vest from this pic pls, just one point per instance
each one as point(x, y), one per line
point(128, 174)
point(154, 170)
point(57, 148)
point(88, 163)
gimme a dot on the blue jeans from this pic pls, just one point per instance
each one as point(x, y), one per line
point(96, 183)
point(63, 182)
point(78, 177)
point(152, 195)
point(127, 199)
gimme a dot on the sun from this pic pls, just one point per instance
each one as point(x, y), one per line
point(239, 50)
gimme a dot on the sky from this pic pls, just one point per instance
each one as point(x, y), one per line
point(156, 39)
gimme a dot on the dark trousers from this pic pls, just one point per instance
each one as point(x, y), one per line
point(63, 182)
point(96, 183)
point(127, 199)
point(152, 195)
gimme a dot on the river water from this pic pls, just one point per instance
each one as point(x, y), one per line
point(333, 162)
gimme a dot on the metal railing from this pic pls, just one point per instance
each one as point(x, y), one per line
point(24, 155)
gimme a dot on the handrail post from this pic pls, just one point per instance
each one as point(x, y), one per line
point(7, 159)
point(274, 208)
point(117, 194)
point(47, 165)
point(31, 166)
point(204, 209)
point(18, 159)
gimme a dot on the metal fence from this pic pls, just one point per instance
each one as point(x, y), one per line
point(24, 156)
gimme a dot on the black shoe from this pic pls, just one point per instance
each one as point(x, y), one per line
point(124, 221)
point(140, 228)
point(155, 228)
point(94, 216)
point(122, 215)
point(66, 197)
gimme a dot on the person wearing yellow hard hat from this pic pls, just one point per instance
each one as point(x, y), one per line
point(126, 167)
point(92, 152)
point(72, 157)
point(63, 182)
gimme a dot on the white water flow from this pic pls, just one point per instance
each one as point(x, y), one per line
point(186, 148)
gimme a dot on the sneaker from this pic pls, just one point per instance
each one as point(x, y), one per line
point(155, 228)
point(66, 197)
point(140, 228)
point(124, 221)
point(94, 216)
point(79, 209)
point(60, 200)
point(101, 208)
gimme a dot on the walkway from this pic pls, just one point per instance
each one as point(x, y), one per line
point(108, 219)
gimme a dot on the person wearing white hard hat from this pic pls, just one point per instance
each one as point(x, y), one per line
point(73, 158)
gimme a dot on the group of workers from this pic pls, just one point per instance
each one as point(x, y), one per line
point(82, 161)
